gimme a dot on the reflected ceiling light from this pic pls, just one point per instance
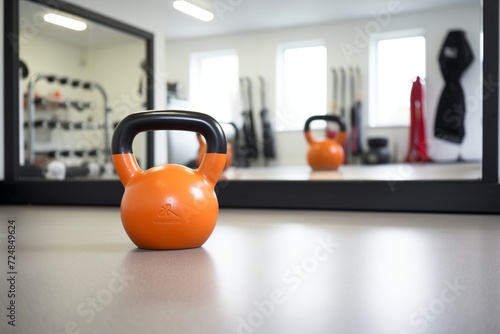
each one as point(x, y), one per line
point(193, 10)
point(65, 22)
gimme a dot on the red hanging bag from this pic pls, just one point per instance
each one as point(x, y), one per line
point(417, 151)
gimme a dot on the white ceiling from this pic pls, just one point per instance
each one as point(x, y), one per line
point(251, 15)
point(236, 16)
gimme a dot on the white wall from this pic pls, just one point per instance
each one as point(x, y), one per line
point(47, 56)
point(257, 53)
point(117, 68)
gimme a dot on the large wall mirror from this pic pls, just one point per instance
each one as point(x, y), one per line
point(71, 75)
point(314, 60)
point(356, 61)
point(78, 78)
point(414, 141)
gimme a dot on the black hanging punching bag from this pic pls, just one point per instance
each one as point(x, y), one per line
point(456, 55)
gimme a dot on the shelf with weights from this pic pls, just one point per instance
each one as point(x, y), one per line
point(58, 146)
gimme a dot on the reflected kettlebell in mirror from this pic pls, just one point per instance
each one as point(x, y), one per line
point(202, 150)
point(169, 206)
point(326, 154)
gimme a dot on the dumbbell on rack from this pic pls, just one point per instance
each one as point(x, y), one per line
point(58, 170)
point(80, 105)
point(56, 124)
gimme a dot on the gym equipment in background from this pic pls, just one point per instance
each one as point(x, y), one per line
point(170, 206)
point(57, 170)
point(417, 150)
point(143, 82)
point(343, 92)
point(349, 82)
point(454, 58)
point(378, 151)
point(23, 69)
point(28, 170)
point(172, 90)
point(326, 154)
point(50, 103)
point(71, 164)
point(356, 148)
point(249, 149)
point(57, 101)
point(267, 129)
point(75, 83)
point(330, 130)
point(238, 159)
point(343, 106)
point(54, 123)
point(233, 144)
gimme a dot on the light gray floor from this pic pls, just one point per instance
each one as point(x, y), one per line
point(260, 272)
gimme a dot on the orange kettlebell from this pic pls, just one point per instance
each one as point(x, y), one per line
point(202, 150)
point(169, 206)
point(327, 154)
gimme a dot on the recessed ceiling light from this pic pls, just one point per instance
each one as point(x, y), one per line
point(193, 10)
point(65, 22)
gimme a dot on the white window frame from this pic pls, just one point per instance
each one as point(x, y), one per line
point(373, 69)
point(280, 80)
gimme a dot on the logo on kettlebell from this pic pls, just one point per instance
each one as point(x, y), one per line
point(167, 215)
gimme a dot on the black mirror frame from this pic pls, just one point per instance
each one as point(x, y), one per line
point(461, 196)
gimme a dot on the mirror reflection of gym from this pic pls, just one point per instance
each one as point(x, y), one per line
point(352, 66)
point(77, 83)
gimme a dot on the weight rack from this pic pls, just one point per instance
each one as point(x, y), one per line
point(79, 105)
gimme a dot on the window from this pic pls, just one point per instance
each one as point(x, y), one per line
point(395, 63)
point(301, 85)
point(214, 83)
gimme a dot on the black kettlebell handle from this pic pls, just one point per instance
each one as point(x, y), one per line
point(329, 118)
point(133, 124)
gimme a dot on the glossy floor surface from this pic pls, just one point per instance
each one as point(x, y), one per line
point(261, 271)
point(408, 172)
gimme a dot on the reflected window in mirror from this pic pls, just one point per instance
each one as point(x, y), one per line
point(301, 85)
point(214, 83)
point(398, 59)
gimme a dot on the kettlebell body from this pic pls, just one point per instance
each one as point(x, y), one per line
point(326, 154)
point(170, 206)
